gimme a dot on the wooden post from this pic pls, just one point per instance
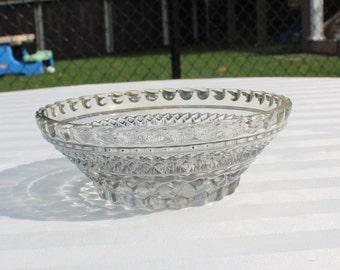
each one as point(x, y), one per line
point(39, 25)
point(108, 23)
point(231, 17)
point(261, 21)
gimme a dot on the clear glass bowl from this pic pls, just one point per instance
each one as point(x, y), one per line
point(164, 148)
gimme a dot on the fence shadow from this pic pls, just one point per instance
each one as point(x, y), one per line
point(54, 190)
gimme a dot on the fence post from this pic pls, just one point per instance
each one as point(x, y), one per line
point(39, 25)
point(207, 19)
point(109, 41)
point(261, 21)
point(175, 39)
point(305, 14)
point(316, 20)
point(231, 16)
point(194, 19)
point(165, 23)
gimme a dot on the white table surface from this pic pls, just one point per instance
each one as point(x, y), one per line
point(284, 215)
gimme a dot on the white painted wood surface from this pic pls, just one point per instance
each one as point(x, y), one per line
point(284, 215)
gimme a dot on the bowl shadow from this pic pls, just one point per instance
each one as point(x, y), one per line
point(55, 190)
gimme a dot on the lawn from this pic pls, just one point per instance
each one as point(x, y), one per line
point(194, 64)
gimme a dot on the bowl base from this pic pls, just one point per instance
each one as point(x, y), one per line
point(163, 200)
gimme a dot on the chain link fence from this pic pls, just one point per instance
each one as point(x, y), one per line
point(111, 40)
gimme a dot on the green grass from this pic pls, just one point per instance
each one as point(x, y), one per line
point(94, 70)
point(195, 64)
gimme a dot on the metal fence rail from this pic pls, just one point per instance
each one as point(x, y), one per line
point(112, 40)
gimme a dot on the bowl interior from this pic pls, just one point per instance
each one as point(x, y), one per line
point(153, 117)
